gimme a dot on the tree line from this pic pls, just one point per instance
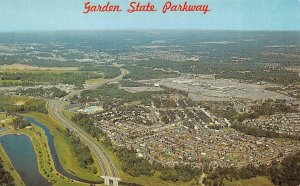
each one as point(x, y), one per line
point(81, 152)
point(20, 123)
point(42, 92)
point(29, 106)
point(87, 123)
point(285, 173)
point(138, 166)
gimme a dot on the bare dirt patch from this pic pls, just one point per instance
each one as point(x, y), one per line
point(28, 67)
point(20, 103)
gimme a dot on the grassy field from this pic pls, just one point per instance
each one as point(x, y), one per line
point(62, 147)
point(44, 158)
point(9, 167)
point(22, 67)
point(3, 82)
point(45, 162)
point(94, 81)
point(4, 120)
point(261, 181)
point(69, 114)
point(14, 100)
point(64, 152)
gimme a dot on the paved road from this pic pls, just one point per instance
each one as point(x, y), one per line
point(104, 160)
point(94, 86)
point(56, 108)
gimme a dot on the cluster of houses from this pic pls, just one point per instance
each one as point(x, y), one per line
point(280, 123)
point(174, 142)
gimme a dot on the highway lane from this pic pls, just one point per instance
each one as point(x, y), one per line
point(56, 108)
point(106, 163)
point(95, 86)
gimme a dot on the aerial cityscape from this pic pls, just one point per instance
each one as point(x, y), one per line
point(150, 108)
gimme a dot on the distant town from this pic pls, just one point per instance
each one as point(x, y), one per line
point(150, 107)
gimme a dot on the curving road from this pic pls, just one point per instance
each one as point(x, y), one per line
point(108, 168)
point(56, 111)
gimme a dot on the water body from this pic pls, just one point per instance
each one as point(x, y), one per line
point(53, 152)
point(21, 153)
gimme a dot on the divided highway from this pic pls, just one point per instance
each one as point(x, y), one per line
point(108, 168)
point(56, 111)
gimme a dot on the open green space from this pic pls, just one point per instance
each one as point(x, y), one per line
point(61, 141)
point(42, 151)
point(9, 82)
point(19, 105)
point(110, 93)
point(44, 159)
point(94, 81)
point(64, 151)
point(108, 71)
point(259, 180)
point(26, 78)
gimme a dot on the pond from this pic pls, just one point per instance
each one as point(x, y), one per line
point(53, 152)
point(21, 153)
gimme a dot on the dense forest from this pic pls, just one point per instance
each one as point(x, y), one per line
point(30, 78)
point(132, 164)
point(278, 76)
point(261, 108)
point(108, 71)
point(82, 152)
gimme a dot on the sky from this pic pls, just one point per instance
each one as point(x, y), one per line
point(50, 15)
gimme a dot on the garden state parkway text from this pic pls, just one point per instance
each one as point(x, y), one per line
point(145, 7)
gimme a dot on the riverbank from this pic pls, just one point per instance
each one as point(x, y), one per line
point(8, 166)
point(62, 146)
point(44, 159)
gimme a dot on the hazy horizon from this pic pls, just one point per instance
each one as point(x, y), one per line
point(141, 30)
point(255, 15)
